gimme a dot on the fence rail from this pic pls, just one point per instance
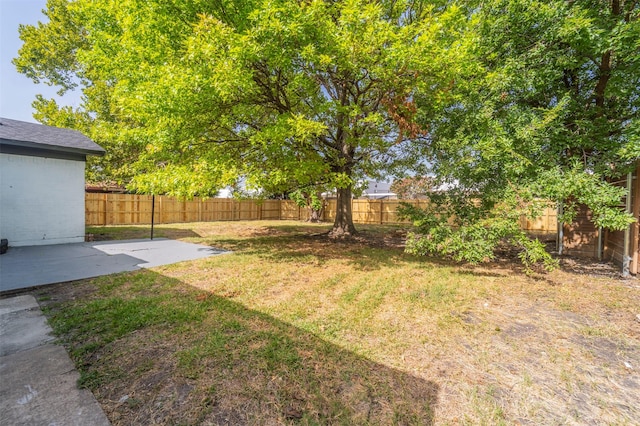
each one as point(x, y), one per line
point(132, 209)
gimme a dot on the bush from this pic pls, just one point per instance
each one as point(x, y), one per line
point(464, 231)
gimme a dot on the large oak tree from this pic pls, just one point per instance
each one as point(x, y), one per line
point(192, 95)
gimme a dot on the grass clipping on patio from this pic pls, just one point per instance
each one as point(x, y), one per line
point(292, 328)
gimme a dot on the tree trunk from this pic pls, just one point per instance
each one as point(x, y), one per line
point(315, 215)
point(313, 201)
point(343, 225)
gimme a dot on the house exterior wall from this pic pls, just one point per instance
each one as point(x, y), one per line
point(41, 200)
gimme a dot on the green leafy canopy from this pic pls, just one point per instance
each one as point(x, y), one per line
point(546, 110)
point(279, 92)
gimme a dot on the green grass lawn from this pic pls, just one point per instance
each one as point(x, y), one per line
point(291, 328)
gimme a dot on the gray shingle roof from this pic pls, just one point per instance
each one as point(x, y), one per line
point(31, 135)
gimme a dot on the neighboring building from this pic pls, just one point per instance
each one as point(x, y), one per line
point(378, 191)
point(42, 183)
point(99, 188)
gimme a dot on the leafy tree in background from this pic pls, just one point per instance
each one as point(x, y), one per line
point(311, 199)
point(413, 187)
point(191, 95)
point(49, 55)
point(549, 109)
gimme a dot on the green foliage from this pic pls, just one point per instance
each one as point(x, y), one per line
point(534, 253)
point(474, 234)
point(412, 187)
point(312, 200)
point(576, 187)
point(547, 106)
point(284, 94)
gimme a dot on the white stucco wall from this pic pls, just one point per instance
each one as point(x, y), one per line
point(41, 200)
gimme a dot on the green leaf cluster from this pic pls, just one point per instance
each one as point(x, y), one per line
point(548, 105)
point(457, 226)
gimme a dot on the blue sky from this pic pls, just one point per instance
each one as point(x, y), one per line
point(17, 92)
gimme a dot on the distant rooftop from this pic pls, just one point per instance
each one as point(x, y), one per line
point(377, 187)
point(30, 135)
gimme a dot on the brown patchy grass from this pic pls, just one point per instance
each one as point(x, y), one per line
point(292, 328)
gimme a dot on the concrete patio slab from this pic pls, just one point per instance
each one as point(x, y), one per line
point(24, 267)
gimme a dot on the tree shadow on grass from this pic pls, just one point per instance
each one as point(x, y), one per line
point(279, 244)
point(376, 246)
point(157, 351)
point(364, 257)
point(108, 233)
point(317, 249)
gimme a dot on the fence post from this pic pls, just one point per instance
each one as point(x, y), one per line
point(104, 211)
point(153, 205)
point(135, 214)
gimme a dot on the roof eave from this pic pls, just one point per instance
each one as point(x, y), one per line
point(53, 148)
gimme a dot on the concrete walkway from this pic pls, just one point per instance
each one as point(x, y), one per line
point(37, 378)
point(24, 267)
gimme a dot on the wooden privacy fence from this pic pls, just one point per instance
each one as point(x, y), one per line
point(132, 209)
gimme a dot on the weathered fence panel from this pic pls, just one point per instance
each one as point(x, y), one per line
point(289, 210)
point(132, 209)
